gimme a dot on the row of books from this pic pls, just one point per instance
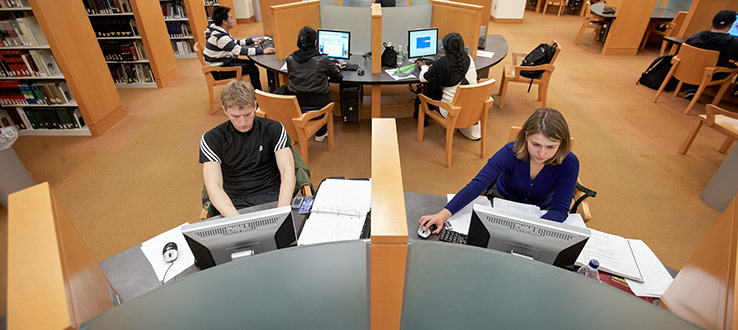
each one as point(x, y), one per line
point(114, 27)
point(46, 118)
point(182, 47)
point(177, 29)
point(28, 63)
point(209, 12)
point(14, 4)
point(211, 2)
point(15, 92)
point(22, 31)
point(131, 73)
point(173, 10)
point(107, 6)
point(123, 51)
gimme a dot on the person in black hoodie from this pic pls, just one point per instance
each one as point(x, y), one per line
point(717, 39)
point(309, 71)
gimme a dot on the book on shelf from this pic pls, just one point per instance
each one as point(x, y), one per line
point(19, 93)
point(107, 6)
point(182, 47)
point(21, 31)
point(14, 4)
point(28, 63)
point(48, 118)
point(177, 29)
point(115, 27)
point(123, 50)
point(12, 118)
point(173, 10)
point(131, 73)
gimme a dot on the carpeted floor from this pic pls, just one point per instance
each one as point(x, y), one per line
point(142, 176)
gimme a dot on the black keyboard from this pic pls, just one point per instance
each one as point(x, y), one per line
point(451, 236)
point(350, 67)
point(266, 43)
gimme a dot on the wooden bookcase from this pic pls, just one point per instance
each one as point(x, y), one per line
point(141, 25)
point(69, 35)
point(179, 28)
point(210, 4)
point(197, 16)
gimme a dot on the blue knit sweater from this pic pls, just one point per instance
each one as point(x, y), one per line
point(553, 187)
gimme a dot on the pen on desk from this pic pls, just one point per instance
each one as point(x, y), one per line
point(620, 280)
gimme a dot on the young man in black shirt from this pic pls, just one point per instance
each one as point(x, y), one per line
point(246, 160)
point(717, 39)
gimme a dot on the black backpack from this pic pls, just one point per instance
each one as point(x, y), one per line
point(543, 54)
point(655, 74)
point(389, 56)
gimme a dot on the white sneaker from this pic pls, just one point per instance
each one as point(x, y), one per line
point(473, 132)
point(321, 138)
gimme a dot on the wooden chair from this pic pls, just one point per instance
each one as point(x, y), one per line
point(589, 22)
point(300, 126)
point(697, 66)
point(671, 30)
point(579, 193)
point(470, 105)
point(560, 3)
point(512, 74)
point(723, 121)
point(207, 71)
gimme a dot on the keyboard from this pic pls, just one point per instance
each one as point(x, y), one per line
point(350, 67)
point(266, 43)
point(451, 236)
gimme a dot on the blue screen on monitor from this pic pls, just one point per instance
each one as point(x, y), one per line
point(734, 30)
point(335, 44)
point(423, 42)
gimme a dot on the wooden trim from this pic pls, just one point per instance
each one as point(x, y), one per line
point(106, 123)
point(198, 20)
point(376, 39)
point(505, 20)
point(376, 101)
point(389, 228)
point(288, 20)
point(619, 51)
point(458, 17)
point(247, 20)
point(54, 282)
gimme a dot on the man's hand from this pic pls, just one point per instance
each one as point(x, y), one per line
point(257, 39)
point(214, 184)
point(269, 50)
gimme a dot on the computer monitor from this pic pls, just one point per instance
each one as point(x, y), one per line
point(221, 240)
point(334, 43)
point(527, 236)
point(422, 42)
point(734, 30)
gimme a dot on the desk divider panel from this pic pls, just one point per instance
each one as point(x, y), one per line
point(288, 20)
point(267, 20)
point(357, 20)
point(462, 18)
point(376, 45)
point(389, 227)
point(704, 291)
point(396, 21)
point(486, 12)
point(626, 32)
point(701, 13)
point(54, 282)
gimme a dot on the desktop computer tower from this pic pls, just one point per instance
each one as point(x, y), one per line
point(351, 96)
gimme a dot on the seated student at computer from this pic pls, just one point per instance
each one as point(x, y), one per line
point(309, 71)
point(445, 75)
point(537, 168)
point(221, 49)
point(246, 160)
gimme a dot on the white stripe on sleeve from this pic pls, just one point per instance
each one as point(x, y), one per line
point(209, 154)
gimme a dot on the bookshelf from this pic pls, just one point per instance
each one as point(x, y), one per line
point(179, 28)
point(211, 4)
point(57, 91)
point(134, 41)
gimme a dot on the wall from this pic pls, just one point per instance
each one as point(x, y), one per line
point(513, 9)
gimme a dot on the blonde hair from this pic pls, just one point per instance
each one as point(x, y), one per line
point(550, 123)
point(238, 94)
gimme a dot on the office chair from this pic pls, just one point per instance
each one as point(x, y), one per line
point(723, 121)
point(207, 71)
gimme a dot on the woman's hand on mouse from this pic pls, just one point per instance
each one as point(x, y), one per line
point(437, 219)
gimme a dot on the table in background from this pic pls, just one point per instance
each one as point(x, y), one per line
point(665, 14)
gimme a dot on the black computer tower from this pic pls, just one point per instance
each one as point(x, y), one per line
point(351, 96)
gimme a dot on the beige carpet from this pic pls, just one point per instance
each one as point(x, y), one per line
point(142, 176)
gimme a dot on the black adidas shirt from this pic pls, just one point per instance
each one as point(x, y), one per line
point(246, 160)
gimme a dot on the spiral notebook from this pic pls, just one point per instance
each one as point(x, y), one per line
point(339, 211)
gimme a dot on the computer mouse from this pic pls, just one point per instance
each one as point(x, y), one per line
point(425, 233)
point(360, 72)
point(170, 252)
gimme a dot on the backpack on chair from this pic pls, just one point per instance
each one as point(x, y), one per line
point(656, 72)
point(543, 54)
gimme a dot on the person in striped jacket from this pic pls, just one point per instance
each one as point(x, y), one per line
point(221, 48)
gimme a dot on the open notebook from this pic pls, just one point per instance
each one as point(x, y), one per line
point(339, 211)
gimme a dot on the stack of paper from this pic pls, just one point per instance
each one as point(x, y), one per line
point(339, 211)
point(613, 253)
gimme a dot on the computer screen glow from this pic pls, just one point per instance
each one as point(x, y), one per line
point(423, 42)
point(335, 44)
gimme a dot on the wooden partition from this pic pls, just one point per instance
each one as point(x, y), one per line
point(69, 33)
point(54, 282)
point(198, 20)
point(288, 20)
point(150, 23)
point(377, 49)
point(458, 17)
point(701, 13)
point(704, 291)
point(267, 21)
point(389, 228)
point(626, 32)
point(486, 12)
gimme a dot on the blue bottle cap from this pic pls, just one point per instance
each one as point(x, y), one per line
point(594, 264)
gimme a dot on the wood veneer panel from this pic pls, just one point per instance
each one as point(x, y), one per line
point(150, 22)
point(701, 13)
point(70, 35)
point(198, 19)
point(626, 32)
point(377, 47)
point(267, 19)
point(288, 20)
point(461, 18)
point(54, 282)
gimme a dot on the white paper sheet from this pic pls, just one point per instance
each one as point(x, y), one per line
point(655, 276)
point(284, 67)
point(323, 227)
point(153, 248)
point(529, 209)
point(613, 252)
point(391, 72)
point(485, 54)
point(461, 220)
point(338, 213)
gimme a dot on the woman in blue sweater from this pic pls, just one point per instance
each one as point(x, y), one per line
point(537, 168)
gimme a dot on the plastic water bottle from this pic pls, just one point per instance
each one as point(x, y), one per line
point(590, 270)
point(399, 55)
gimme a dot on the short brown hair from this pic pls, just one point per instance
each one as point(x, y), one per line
point(550, 123)
point(238, 94)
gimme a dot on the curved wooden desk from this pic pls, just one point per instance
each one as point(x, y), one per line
point(495, 43)
point(666, 14)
